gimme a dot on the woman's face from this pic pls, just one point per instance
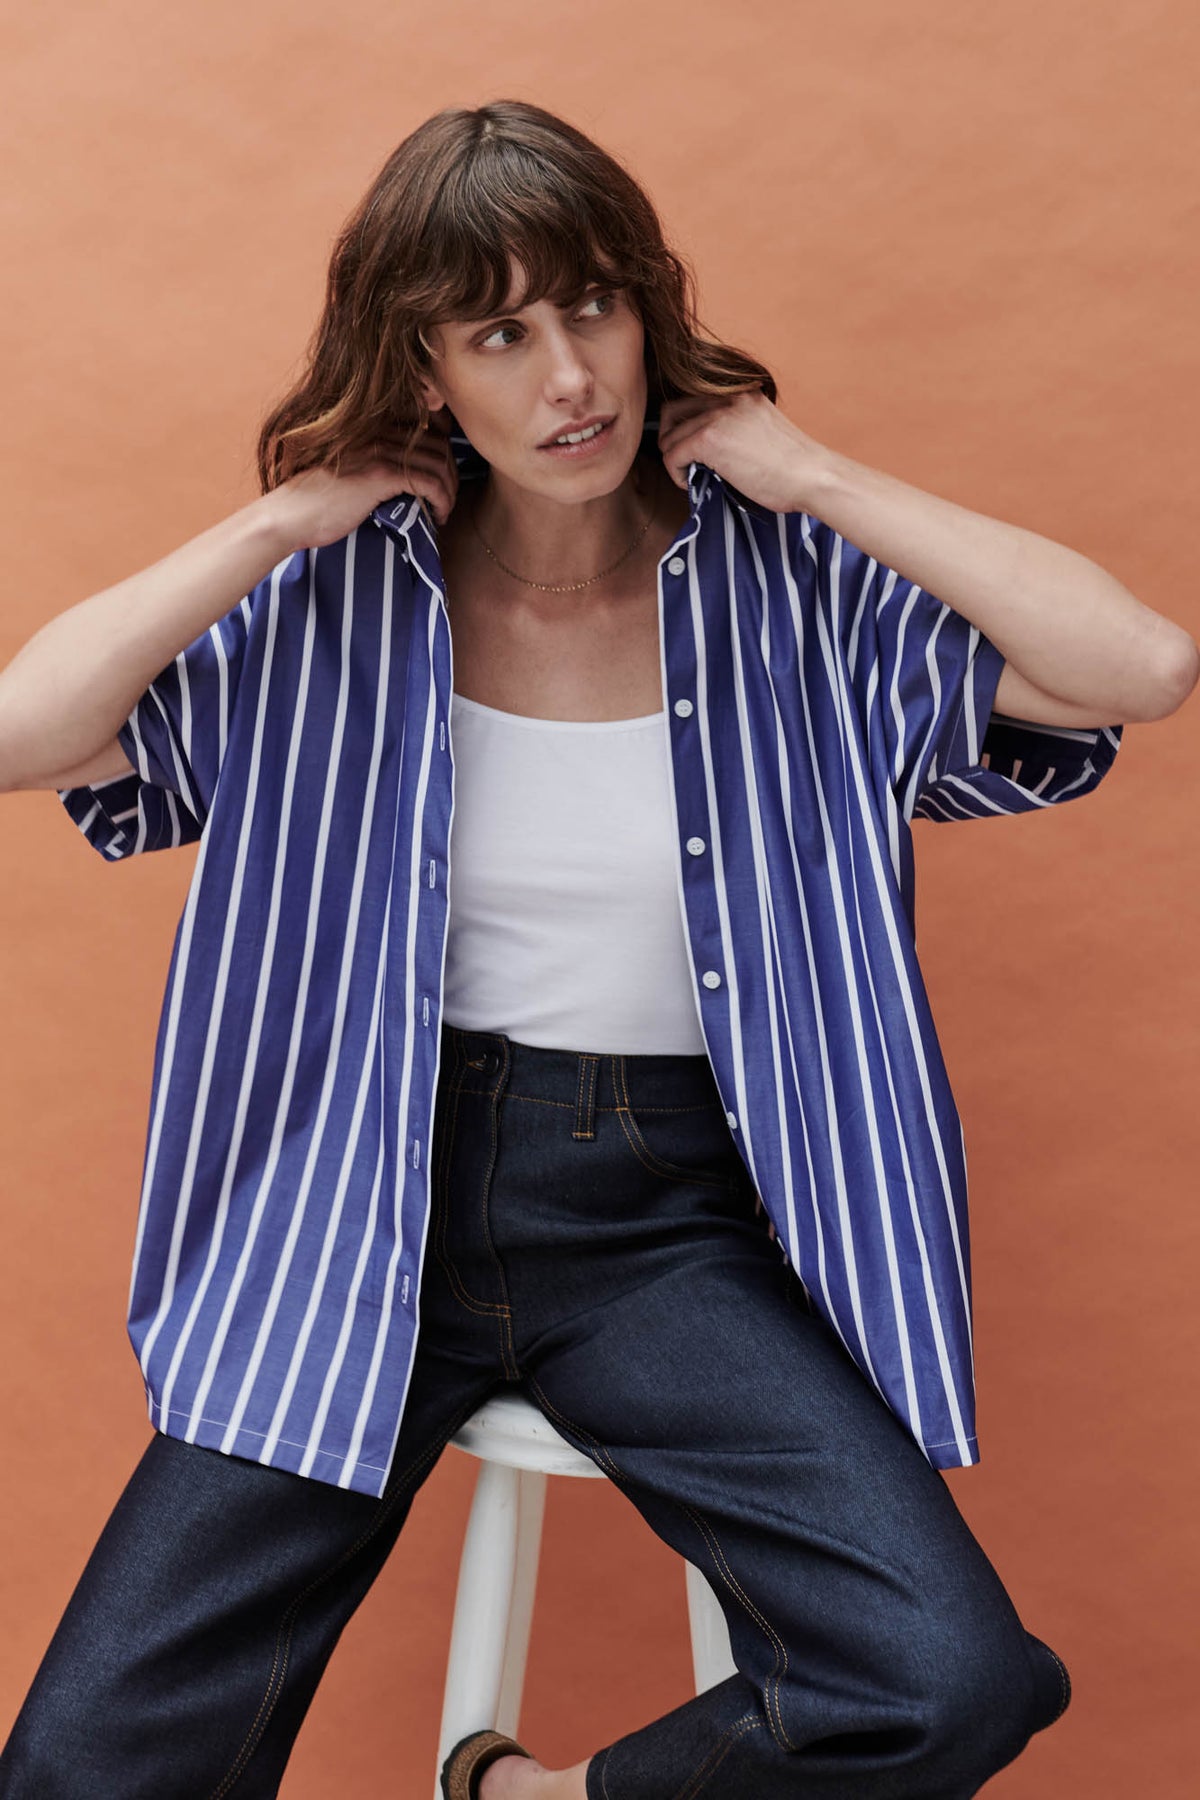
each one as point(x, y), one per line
point(519, 379)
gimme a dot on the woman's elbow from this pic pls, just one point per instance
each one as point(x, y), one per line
point(1179, 673)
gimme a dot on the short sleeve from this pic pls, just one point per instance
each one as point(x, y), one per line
point(175, 737)
point(923, 680)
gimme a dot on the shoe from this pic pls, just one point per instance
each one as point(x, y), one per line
point(470, 1757)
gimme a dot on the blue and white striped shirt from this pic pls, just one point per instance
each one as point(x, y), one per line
point(816, 702)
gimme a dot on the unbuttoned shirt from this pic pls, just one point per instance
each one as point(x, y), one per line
point(815, 704)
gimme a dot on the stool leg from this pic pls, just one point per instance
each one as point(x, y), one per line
point(712, 1658)
point(481, 1608)
point(531, 1507)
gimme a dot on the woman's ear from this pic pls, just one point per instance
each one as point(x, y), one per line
point(432, 396)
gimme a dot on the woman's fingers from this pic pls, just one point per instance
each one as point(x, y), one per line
point(432, 470)
point(674, 413)
point(435, 478)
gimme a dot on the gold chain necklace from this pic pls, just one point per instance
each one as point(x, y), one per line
point(563, 587)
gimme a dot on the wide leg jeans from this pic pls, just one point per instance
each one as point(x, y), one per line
point(596, 1238)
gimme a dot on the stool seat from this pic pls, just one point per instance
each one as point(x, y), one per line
point(517, 1448)
point(509, 1429)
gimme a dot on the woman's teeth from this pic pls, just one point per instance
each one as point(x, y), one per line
point(579, 437)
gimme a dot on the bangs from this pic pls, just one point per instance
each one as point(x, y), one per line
point(505, 203)
point(473, 203)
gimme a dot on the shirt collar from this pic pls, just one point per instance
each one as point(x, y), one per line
point(406, 513)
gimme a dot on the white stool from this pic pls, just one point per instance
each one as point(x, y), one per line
point(493, 1608)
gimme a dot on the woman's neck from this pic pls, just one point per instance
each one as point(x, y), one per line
point(535, 540)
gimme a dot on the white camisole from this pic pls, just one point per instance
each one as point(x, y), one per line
point(565, 926)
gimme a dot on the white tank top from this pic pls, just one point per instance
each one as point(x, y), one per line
point(565, 927)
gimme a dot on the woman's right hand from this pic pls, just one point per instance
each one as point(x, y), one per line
point(317, 507)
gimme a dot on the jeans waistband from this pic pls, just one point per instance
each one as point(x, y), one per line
point(488, 1059)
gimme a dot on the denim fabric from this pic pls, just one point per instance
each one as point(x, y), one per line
point(596, 1237)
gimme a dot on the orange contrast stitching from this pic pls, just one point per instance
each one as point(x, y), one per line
point(283, 1641)
point(773, 1636)
point(487, 1308)
point(720, 1750)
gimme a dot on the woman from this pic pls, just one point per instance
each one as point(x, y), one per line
point(724, 1244)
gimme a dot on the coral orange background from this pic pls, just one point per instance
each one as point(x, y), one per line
point(966, 240)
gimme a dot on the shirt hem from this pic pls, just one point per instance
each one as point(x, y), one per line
point(957, 1453)
point(329, 1466)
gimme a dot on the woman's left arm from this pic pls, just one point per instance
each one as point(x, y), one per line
point(1075, 641)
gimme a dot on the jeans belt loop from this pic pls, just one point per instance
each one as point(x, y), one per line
point(585, 1096)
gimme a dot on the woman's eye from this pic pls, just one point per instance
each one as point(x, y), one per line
point(593, 301)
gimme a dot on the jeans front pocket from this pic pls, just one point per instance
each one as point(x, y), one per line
point(464, 1154)
point(684, 1143)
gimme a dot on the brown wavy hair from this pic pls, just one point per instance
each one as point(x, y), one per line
point(430, 240)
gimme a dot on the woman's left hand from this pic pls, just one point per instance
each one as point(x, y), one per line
point(748, 442)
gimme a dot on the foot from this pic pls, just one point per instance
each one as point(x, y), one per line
point(523, 1778)
point(514, 1778)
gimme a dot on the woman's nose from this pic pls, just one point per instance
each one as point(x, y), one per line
point(568, 373)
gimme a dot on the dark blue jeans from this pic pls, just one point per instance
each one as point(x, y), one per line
point(596, 1237)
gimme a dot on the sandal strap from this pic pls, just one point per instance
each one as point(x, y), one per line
point(470, 1757)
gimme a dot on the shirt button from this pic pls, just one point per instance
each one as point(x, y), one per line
point(696, 846)
point(710, 978)
point(683, 708)
point(731, 1121)
point(676, 566)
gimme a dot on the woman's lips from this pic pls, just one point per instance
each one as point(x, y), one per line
point(574, 452)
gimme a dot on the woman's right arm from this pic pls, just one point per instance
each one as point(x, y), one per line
point(67, 692)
